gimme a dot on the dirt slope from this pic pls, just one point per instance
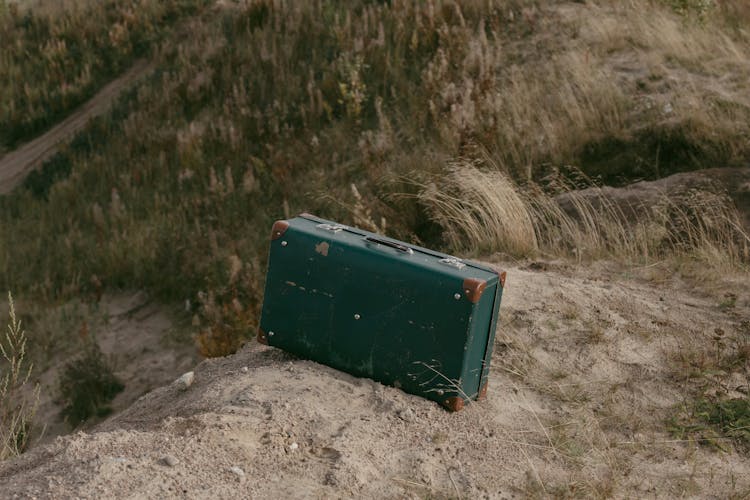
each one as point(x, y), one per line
point(136, 335)
point(583, 379)
point(16, 165)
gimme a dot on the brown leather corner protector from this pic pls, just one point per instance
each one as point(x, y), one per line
point(500, 275)
point(454, 404)
point(482, 393)
point(262, 337)
point(279, 228)
point(473, 288)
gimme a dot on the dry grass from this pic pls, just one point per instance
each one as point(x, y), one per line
point(18, 400)
point(484, 211)
point(481, 209)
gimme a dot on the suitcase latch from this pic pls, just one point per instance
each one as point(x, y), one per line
point(453, 262)
point(334, 228)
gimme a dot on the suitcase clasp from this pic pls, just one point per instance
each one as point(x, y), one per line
point(334, 228)
point(453, 262)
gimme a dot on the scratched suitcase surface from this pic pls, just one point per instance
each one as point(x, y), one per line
point(376, 307)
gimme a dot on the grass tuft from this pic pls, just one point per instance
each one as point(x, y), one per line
point(18, 401)
point(483, 210)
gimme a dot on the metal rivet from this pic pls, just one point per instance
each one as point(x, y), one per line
point(357, 316)
point(440, 392)
point(467, 291)
point(283, 243)
point(457, 296)
point(270, 334)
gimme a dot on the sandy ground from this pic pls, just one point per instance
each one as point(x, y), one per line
point(141, 342)
point(17, 164)
point(584, 377)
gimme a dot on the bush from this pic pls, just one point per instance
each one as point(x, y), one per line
point(87, 385)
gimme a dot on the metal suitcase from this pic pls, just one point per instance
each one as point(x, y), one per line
point(375, 307)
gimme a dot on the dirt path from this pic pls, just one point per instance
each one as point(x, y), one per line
point(17, 164)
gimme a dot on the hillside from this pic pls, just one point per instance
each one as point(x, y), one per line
point(599, 150)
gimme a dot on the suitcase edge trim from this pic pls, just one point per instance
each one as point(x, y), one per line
point(362, 232)
point(487, 359)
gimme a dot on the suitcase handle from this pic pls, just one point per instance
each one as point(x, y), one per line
point(397, 246)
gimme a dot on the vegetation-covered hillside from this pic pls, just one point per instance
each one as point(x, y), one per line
point(448, 123)
point(53, 59)
point(262, 109)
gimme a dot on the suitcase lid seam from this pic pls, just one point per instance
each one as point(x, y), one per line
point(426, 251)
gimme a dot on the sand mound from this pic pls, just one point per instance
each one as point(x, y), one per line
point(582, 383)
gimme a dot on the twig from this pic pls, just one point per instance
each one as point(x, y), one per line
point(455, 487)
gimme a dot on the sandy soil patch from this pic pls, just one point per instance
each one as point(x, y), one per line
point(583, 379)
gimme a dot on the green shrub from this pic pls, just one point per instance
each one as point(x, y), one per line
point(87, 385)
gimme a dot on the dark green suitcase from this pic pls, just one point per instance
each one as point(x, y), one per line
point(375, 307)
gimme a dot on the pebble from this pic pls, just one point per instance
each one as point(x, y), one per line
point(237, 472)
point(293, 446)
point(407, 415)
point(169, 460)
point(185, 381)
point(243, 369)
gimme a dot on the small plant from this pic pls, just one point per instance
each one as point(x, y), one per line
point(87, 385)
point(230, 325)
point(218, 341)
point(17, 404)
point(729, 301)
point(714, 422)
point(732, 417)
point(699, 8)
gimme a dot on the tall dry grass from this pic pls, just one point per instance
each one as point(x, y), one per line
point(483, 210)
point(18, 401)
